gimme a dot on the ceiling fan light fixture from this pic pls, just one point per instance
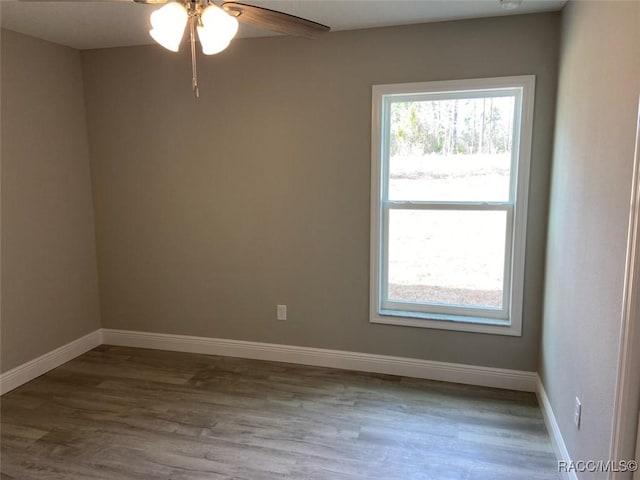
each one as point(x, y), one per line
point(168, 25)
point(211, 41)
point(216, 26)
point(217, 20)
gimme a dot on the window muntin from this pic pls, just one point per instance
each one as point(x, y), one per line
point(450, 174)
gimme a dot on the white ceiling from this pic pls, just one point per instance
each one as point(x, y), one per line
point(86, 24)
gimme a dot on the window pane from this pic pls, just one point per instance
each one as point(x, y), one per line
point(447, 257)
point(451, 150)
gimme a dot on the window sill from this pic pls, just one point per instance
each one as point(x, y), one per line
point(446, 322)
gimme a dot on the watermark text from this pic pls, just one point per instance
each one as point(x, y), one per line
point(600, 466)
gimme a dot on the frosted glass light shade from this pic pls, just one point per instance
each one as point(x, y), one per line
point(212, 42)
point(217, 29)
point(168, 25)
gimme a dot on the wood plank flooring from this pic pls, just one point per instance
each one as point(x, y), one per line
point(124, 413)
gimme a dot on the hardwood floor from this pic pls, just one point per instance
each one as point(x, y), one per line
point(125, 413)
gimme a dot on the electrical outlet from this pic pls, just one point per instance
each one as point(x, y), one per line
point(577, 413)
point(281, 312)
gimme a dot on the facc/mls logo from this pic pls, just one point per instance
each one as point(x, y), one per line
point(598, 466)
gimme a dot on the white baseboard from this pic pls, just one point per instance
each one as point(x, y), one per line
point(44, 363)
point(365, 362)
point(560, 448)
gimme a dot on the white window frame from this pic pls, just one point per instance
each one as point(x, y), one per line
point(507, 321)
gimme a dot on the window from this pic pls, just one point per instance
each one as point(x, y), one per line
point(450, 174)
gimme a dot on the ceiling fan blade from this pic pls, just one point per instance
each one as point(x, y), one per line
point(154, 2)
point(275, 21)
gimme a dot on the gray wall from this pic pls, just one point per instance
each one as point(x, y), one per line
point(599, 85)
point(211, 211)
point(49, 277)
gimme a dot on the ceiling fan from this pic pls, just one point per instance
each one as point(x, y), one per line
point(217, 25)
